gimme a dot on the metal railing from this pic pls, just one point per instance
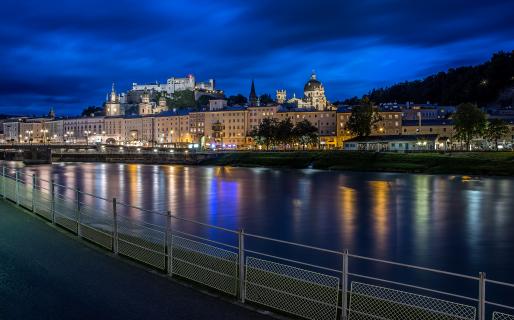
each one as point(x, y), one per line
point(282, 276)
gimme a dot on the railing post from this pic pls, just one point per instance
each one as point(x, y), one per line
point(33, 193)
point(169, 245)
point(4, 178)
point(241, 266)
point(77, 196)
point(52, 199)
point(114, 227)
point(17, 187)
point(481, 296)
point(344, 287)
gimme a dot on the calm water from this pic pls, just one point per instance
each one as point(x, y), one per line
point(449, 222)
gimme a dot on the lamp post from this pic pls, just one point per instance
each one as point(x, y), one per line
point(29, 133)
point(44, 132)
point(86, 133)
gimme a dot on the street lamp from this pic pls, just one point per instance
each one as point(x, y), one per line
point(29, 132)
point(44, 132)
point(87, 133)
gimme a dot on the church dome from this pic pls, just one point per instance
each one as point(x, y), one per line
point(313, 84)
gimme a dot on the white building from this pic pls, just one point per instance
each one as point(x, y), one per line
point(112, 105)
point(313, 96)
point(177, 84)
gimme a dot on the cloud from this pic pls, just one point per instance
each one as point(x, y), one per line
point(66, 53)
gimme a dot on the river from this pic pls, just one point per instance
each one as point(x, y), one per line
point(455, 223)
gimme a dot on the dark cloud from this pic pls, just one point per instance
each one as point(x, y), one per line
point(66, 53)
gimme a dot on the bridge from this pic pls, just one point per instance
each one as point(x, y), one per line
point(47, 153)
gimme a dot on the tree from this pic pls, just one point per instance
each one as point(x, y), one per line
point(363, 119)
point(469, 123)
point(351, 101)
point(91, 111)
point(284, 132)
point(495, 130)
point(203, 101)
point(182, 99)
point(481, 84)
point(237, 100)
point(305, 133)
point(265, 99)
point(266, 133)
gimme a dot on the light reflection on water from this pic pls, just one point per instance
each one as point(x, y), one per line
point(446, 222)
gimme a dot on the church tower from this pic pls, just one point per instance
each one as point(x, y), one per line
point(281, 96)
point(314, 93)
point(162, 105)
point(112, 105)
point(51, 114)
point(145, 107)
point(253, 98)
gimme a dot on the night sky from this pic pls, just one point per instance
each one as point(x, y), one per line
point(66, 53)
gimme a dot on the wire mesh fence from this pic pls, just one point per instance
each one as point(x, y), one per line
point(293, 290)
point(203, 263)
point(271, 273)
point(370, 301)
point(502, 316)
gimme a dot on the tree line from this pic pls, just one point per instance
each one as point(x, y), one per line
point(284, 134)
point(479, 84)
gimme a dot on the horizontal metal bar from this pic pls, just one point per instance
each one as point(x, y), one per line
point(414, 267)
point(294, 244)
point(500, 283)
point(95, 196)
point(499, 305)
point(294, 261)
point(205, 239)
point(412, 286)
point(179, 218)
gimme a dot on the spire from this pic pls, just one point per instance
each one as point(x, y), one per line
point(254, 100)
point(51, 114)
point(313, 74)
point(112, 91)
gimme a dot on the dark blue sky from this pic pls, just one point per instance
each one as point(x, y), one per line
point(66, 53)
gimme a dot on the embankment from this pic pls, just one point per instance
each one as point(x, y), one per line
point(468, 163)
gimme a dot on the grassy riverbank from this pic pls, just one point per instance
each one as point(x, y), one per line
point(469, 163)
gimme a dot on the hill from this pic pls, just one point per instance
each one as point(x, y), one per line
point(489, 83)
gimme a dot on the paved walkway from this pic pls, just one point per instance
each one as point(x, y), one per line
point(45, 274)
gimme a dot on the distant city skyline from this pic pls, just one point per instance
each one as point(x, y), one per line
point(66, 55)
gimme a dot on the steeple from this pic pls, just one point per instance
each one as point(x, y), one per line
point(51, 114)
point(253, 99)
point(112, 97)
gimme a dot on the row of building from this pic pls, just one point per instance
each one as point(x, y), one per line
point(224, 126)
point(217, 126)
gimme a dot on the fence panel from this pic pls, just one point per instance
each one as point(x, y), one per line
point(141, 243)
point(502, 316)
point(297, 291)
point(96, 225)
point(205, 264)
point(65, 209)
point(10, 187)
point(2, 190)
point(25, 194)
point(43, 202)
point(374, 302)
